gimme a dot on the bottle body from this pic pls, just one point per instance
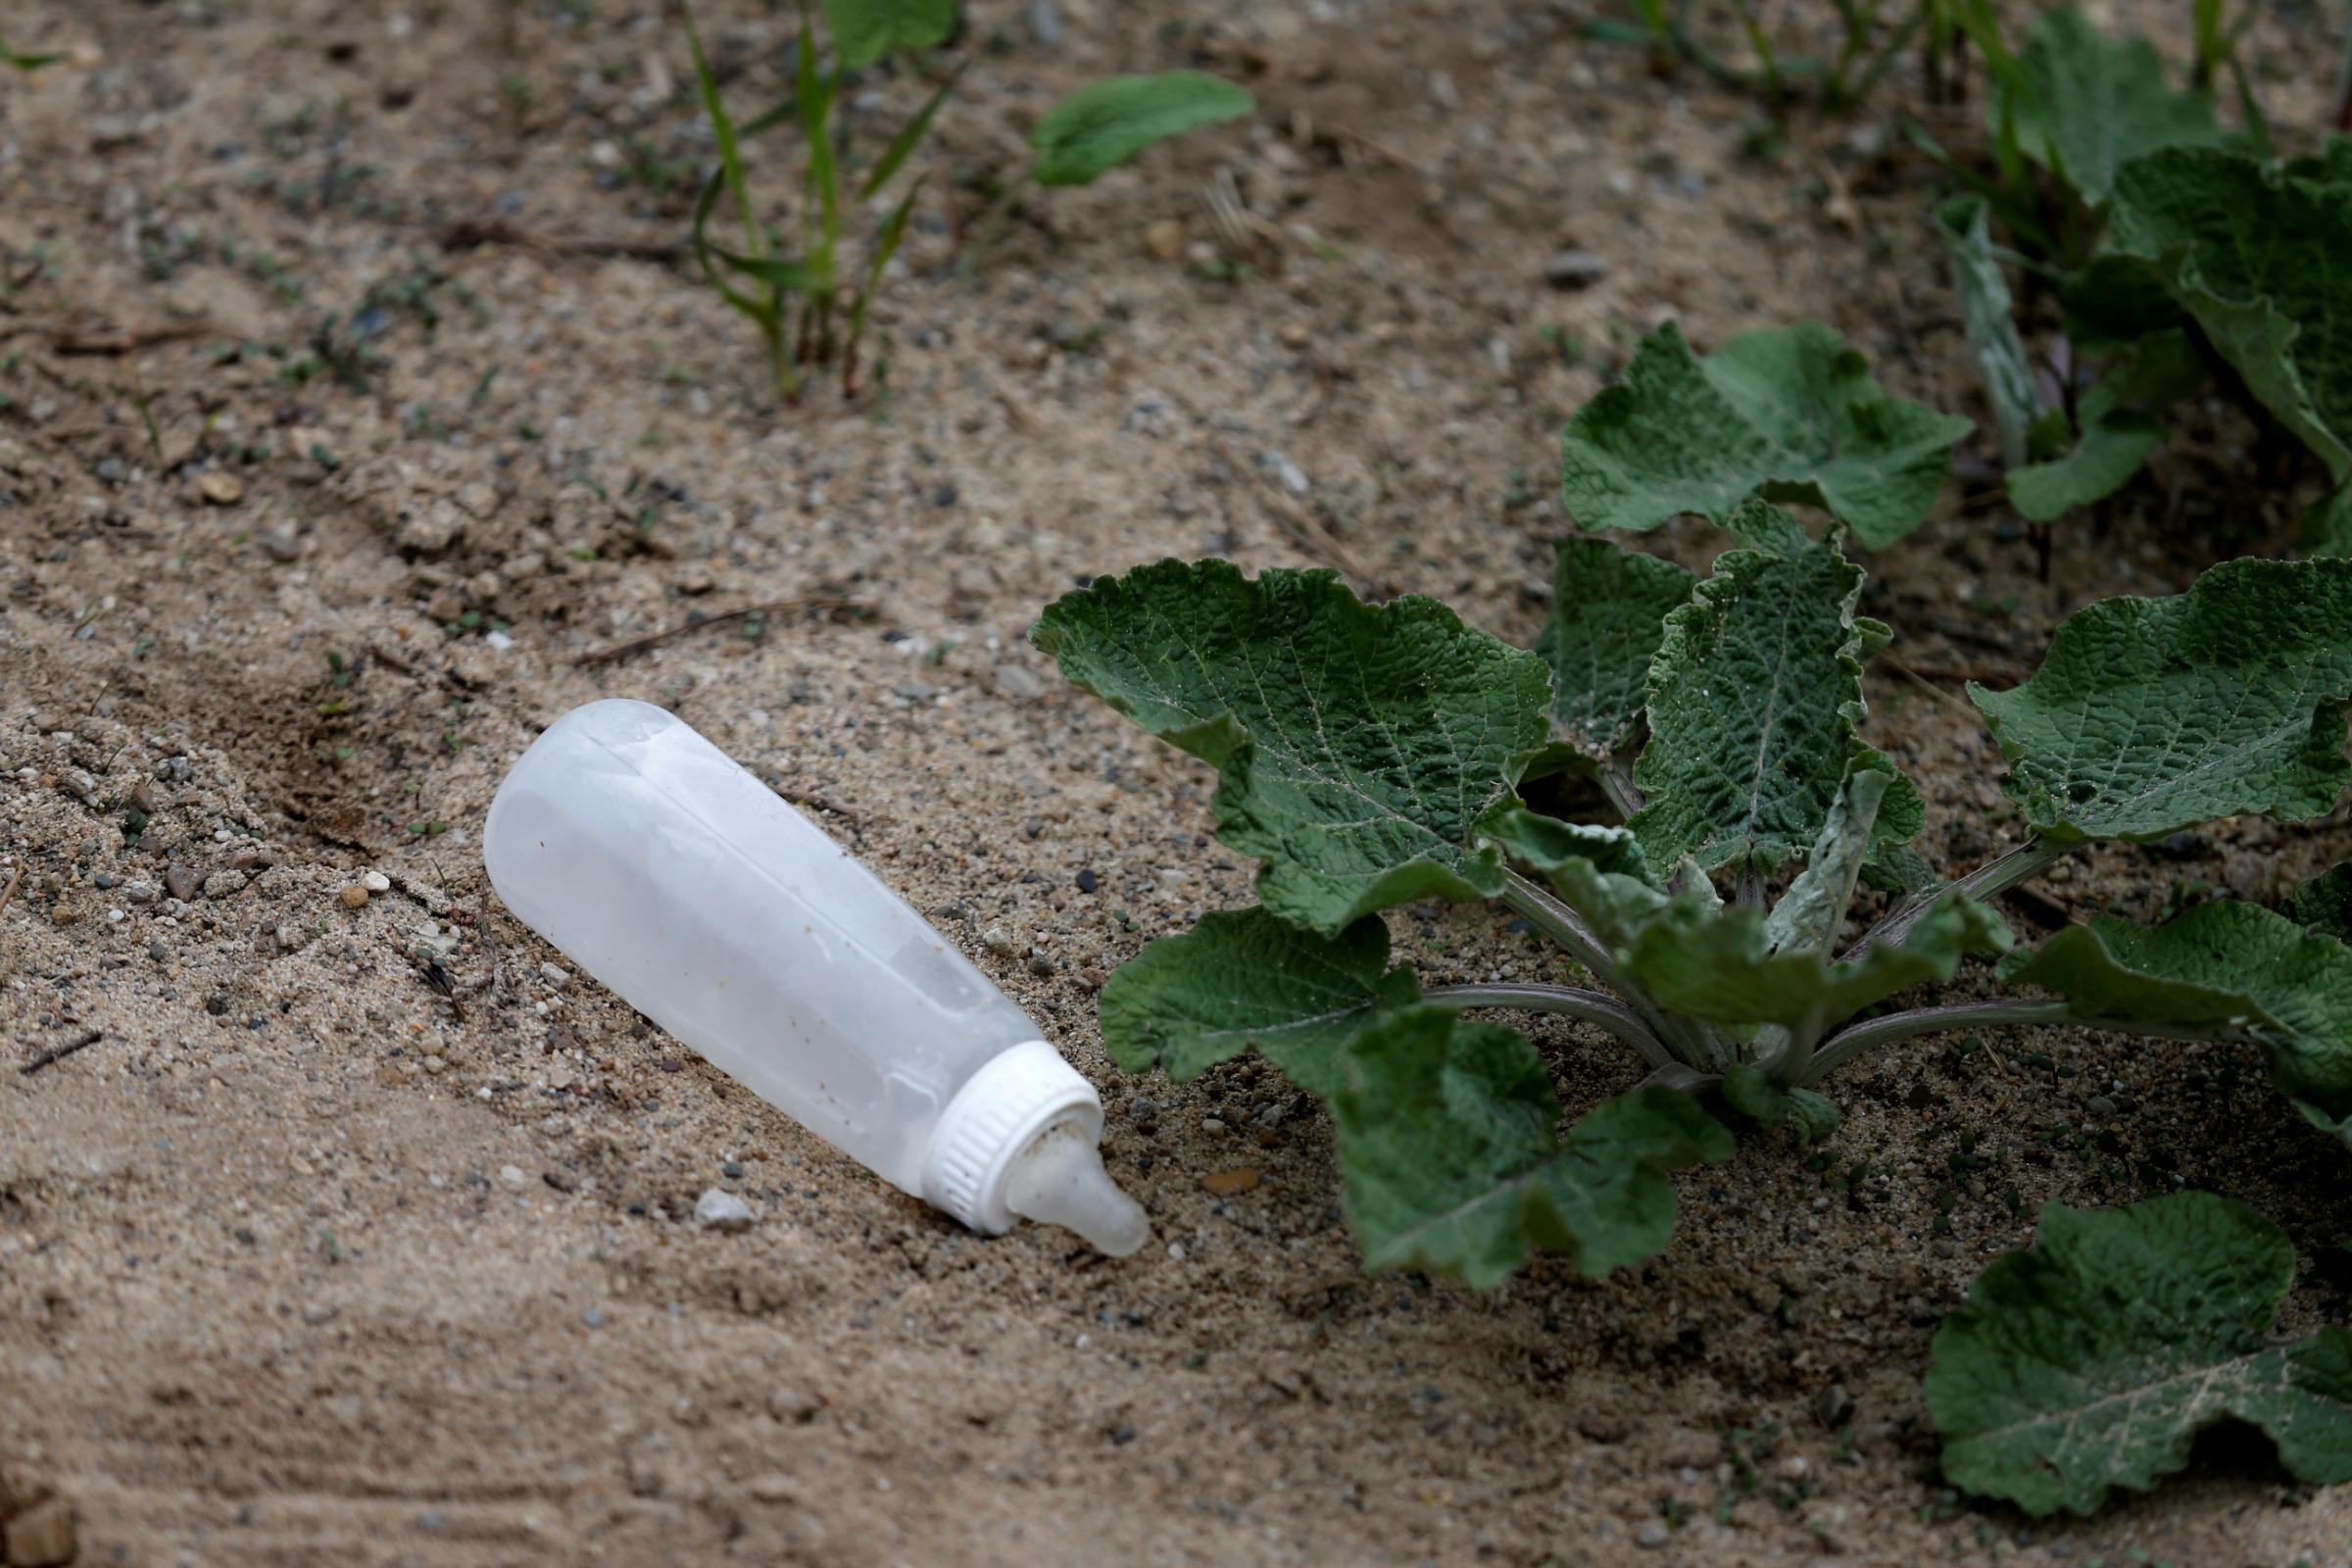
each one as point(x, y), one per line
point(672, 875)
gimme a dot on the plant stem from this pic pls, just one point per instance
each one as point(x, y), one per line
point(1584, 1007)
point(1852, 1042)
point(1995, 876)
point(1556, 920)
point(1694, 1044)
point(1616, 780)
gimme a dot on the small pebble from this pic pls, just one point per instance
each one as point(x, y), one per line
point(1575, 270)
point(376, 882)
point(554, 974)
point(1651, 1535)
point(41, 1537)
point(723, 1211)
point(355, 897)
point(511, 1176)
point(218, 489)
point(1086, 882)
point(180, 882)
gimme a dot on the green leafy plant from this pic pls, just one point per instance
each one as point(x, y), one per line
point(2176, 247)
point(1374, 756)
point(811, 308)
point(2092, 1360)
point(1785, 412)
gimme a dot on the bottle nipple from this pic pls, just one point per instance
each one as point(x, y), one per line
point(1059, 1180)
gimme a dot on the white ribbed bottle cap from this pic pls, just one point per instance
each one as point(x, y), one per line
point(999, 1112)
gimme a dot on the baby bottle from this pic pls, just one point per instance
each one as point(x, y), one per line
point(685, 885)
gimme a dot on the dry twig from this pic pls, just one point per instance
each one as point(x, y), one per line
point(51, 1057)
point(637, 644)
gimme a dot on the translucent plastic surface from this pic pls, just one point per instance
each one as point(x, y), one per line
point(672, 875)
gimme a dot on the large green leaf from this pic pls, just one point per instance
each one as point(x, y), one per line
point(2257, 257)
point(2090, 104)
point(1985, 312)
point(1106, 122)
point(2224, 968)
point(1359, 747)
point(1787, 413)
point(2149, 715)
point(1445, 1145)
point(2093, 1360)
point(1721, 966)
point(1753, 699)
point(865, 30)
point(1241, 979)
point(1608, 613)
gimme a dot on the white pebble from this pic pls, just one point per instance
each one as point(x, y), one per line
point(513, 1176)
point(376, 882)
point(723, 1211)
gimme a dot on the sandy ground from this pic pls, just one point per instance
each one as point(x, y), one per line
point(361, 1235)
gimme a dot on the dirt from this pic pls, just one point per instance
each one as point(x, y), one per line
point(357, 396)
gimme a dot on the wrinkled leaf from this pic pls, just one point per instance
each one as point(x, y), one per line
point(1615, 903)
point(2149, 715)
point(1721, 966)
point(1546, 841)
point(1106, 122)
point(1447, 1149)
point(1359, 747)
point(1985, 312)
point(2093, 1360)
point(2257, 258)
point(1754, 695)
point(1809, 1115)
point(865, 30)
point(2090, 104)
point(1789, 414)
point(1608, 613)
point(1813, 908)
point(2323, 903)
point(2224, 968)
point(1242, 979)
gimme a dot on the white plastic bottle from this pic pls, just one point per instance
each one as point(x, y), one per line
point(672, 875)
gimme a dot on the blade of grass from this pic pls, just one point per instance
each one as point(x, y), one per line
point(2258, 128)
point(910, 136)
point(886, 245)
point(776, 271)
point(1975, 19)
point(814, 90)
point(704, 251)
point(723, 131)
